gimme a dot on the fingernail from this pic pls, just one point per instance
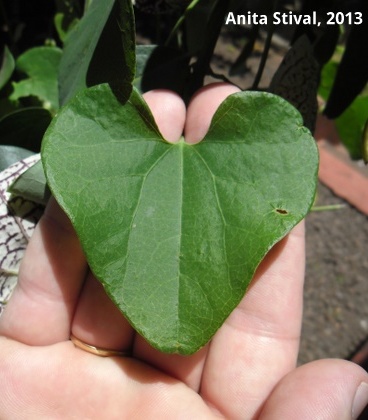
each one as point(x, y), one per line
point(360, 400)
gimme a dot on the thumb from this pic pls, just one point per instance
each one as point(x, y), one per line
point(324, 389)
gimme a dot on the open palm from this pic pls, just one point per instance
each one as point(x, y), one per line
point(247, 371)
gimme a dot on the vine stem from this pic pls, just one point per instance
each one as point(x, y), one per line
point(180, 21)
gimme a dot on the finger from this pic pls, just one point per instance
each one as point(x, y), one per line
point(50, 278)
point(97, 320)
point(258, 344)
point(169, 112)
point(187, 369)
point(325, 389)
point(199, 115)
point(202, 107)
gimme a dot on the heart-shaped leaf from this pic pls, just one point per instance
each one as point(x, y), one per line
point(175, 231)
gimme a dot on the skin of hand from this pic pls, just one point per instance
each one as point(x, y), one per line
point(247, 371)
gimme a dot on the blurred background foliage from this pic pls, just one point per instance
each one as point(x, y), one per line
point(45, 58)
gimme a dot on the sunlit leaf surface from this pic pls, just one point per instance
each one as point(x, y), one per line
point(175, 231)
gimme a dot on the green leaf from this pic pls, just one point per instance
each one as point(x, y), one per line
point(62, 26)
point(12, 154)
point(32, 185)
point(41, 65)
point(25, 128)
point(100, 48)
point(68, 15)
point(201, 66)
point(113, 60)
point(352, 73)
point(143, 54)
point(328, 74)
point(196, 23)
point(350, 123)
point(175, 232)
point(7, 67)
point(79, 48)
point(350, 126)
point(297, 78)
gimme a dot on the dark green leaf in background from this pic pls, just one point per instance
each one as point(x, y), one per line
point(79, 48)
point(350, 123)
point(161, 68)
point(12, 154)
point(297, 79)
point(7, 67)
point(212, 29)
point(67, 16)
point(31, 185)
point(350, 126)
point(143, 53)
point(25, 128)
point(40, 65)
point(175, 231)
point(113, 60)
point(100, 48)
point(196, 22)
point(352, 73)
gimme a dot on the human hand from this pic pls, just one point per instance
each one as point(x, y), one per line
point(247, 371)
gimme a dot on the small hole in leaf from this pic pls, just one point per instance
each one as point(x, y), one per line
point(282, 211)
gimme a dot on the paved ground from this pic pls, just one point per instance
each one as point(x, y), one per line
point(336, 286)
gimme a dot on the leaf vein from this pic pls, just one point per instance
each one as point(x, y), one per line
point(139, 200)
